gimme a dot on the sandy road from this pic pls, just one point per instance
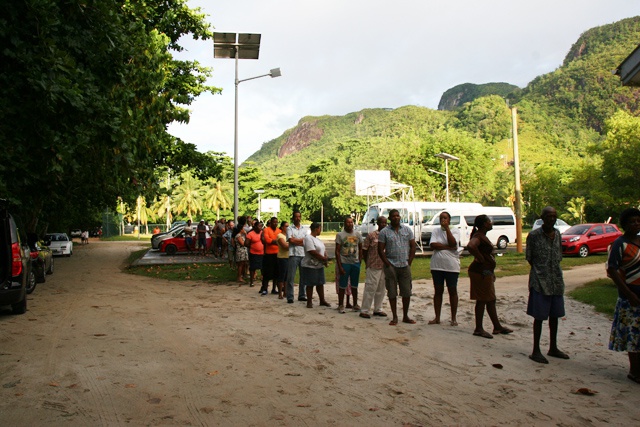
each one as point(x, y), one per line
point(101, 347)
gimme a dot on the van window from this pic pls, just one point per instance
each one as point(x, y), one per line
point(502, 220)
point(371, 216)
point(470, 219)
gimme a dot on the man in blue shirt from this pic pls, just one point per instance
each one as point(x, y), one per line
point(397, 247)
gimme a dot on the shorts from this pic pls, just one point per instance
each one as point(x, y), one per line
point(448, 277)
point(398, 277)
point(202, 242)
point(541, 307)
point(255, 262)
point(351, 271)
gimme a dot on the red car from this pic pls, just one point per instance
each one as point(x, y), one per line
point(177, 244)
point(583, 239)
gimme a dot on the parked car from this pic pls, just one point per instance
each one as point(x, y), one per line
point(560, 225)
point(177, 244)
point(76, 233)
point(59, 243)
point(41, 261)
point(15, 265)
point(584, 239)
point(175, 228)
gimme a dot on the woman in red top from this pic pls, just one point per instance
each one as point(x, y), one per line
point(256, 250)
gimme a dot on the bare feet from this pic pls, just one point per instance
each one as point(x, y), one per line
point(434, 322)
point(502, 330)
point(453, 322)
point(394, 321)
point(408, 320)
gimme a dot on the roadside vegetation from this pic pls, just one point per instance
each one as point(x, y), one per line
point(602, 294)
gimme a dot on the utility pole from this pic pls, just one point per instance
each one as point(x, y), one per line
point(516, 167)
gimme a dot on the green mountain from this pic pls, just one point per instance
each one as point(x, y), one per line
point(459, 95)
point(561, 120)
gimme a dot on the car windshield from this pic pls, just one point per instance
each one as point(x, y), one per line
point(577, 230)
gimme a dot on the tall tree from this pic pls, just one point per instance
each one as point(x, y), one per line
point(87, 88)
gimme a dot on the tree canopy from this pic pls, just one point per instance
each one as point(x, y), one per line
point(87, 89)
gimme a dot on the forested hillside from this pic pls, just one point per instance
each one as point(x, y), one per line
point(570, 126)
point(459, 95)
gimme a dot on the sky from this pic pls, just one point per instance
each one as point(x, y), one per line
point(341, 56)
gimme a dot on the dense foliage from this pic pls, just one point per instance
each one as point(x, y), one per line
point(87, 89)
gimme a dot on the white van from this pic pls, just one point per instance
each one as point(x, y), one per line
point(504, 225)
point(413, 214)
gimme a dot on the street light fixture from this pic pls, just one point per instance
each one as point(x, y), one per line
point(446, 158)
point(238, 46)
point(260, 192)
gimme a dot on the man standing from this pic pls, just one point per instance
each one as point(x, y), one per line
point(374, 285)
point(295, 237)
point(397, 247)
point(202, 237)
point(546, 284)
point(188, 236)
point(270, 261)
point(348, 256)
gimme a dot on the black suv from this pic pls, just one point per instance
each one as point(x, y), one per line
point(15, 265)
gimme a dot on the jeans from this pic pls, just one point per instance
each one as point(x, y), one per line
point(294, 264)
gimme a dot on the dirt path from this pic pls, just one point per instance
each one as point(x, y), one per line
point(100, 347)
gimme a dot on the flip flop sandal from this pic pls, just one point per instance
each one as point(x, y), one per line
point(483, 334)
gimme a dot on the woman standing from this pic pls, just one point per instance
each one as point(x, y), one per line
point(313, 264)
point(283, 258)
point(623, 266)
point(445, 266)
point(482, 277)
point(242, 253)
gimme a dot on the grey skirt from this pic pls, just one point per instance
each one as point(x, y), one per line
point(312, 276)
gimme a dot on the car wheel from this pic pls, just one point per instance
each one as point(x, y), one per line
point(50, 270)
point(583, 251)
point(502, 242)
point(20, 307)
point(171, 249)
point(31, 282)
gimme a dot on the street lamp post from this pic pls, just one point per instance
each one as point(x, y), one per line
point(238, 46)
point(259, 192)
point(446, 158)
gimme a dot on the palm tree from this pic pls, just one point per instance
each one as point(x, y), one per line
point(216, 197)
point(187, 197)
point(162, 208)
point(143, 213)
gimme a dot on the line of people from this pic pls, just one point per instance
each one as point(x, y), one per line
point(282, 250)
point(196, 237)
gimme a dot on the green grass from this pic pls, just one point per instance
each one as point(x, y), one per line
point(509, 264)
point(602, 294)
